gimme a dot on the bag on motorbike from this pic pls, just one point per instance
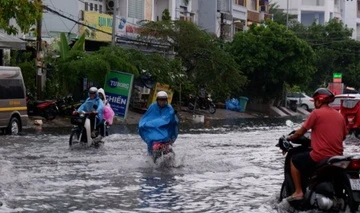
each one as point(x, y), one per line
point(108, 114)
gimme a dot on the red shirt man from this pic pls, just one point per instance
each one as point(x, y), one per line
point(326, 138)
point(328, 130)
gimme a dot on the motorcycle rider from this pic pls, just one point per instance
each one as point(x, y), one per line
point(328, 131)
point(102, 96)
point(159, 123)
point(93, 104)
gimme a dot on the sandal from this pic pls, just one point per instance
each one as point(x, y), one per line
point(292, 198)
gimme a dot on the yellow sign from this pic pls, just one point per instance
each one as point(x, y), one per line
point(98, 21)
point(159, 87)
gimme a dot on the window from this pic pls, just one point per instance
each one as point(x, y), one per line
point(91, 6)
point(240, 2)
point(100, 8)
point(86, 6)
point(11, 89)
point(95, 7)
point(136, 9)
point(253, 5)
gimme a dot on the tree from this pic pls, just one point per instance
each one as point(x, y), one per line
point(278, 14)
point(204, 61)
point(335, 52)
point(270, 55)
point(166, 15)
point(24, 12)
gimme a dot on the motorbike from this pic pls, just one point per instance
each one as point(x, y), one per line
point(85, 133)
point(47, 109)
point(66, 105)
point(195, 101)
point(350, 110)
point(162, 151)
point(334, 186)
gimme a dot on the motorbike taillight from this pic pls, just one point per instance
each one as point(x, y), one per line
point(354, 164)
point(350, 119)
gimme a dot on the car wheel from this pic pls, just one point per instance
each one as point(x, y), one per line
point(14, 126)
point(304, 106)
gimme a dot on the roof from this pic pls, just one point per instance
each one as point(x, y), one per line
point(11, 42)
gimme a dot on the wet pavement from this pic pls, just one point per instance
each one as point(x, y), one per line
point(220, 166)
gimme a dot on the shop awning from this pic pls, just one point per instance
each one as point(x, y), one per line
point(11, 42)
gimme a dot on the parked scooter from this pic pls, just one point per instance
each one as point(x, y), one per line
point(46, 109)
point(206, 104)
point(334, 186)
point(84, 132)
point(66, 105)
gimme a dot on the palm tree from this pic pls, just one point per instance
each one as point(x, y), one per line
point(279, 15)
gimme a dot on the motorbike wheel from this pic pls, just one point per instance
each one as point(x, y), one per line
point(349, 199)
point(74, 137)
point(212, 108)
point(357, 133)
point(191, 106)
point(50, 113)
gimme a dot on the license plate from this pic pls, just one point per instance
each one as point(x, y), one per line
point(355, 184)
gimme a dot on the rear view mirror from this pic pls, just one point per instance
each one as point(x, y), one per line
point(289, 123)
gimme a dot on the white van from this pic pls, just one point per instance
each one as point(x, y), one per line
point(13, 110)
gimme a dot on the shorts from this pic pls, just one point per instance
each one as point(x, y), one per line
point(304, 163)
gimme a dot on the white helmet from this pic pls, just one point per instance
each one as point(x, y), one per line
point(93, 90)
point(161, 95)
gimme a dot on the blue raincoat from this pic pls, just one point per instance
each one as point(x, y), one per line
point(158, 125)
point(88, 106)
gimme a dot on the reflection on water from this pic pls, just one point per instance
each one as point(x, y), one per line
point(232, 167)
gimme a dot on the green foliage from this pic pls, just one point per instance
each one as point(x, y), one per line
point(278, 15)
point(335, 52)
point(270, 55)
point(205, 62)
point(166, 15)
point(27, 65)
point(64, 46)
point(24, 12)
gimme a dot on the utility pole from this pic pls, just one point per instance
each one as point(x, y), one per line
point(287, 14)
point(38, 54)
point(114, 23)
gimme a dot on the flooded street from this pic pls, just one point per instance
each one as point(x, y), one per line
point(231, 167)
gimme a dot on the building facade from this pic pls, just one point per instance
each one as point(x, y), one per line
point(321, 11)
point(220, 17)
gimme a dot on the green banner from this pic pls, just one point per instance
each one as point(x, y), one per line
point(117, 88)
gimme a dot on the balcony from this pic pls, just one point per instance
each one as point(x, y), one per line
point(313, 3)
point(239, 11)
point(159, 7)
point(253, 16)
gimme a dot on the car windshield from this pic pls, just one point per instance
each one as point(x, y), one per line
point(349, 103)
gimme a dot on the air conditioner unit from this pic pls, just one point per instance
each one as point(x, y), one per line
point(110, 6)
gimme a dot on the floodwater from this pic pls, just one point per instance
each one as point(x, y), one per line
point(227, 166)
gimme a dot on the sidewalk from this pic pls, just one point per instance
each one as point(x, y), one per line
point(134, 117)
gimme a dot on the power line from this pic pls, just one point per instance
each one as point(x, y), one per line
point(93, 28)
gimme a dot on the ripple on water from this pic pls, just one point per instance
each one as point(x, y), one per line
point(229, 168)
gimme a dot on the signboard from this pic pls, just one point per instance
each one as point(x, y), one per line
point(98, 21)
point(159, 87)
point(336, 88)
point(129, 27)
point(337, 77)
point(117, 88)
